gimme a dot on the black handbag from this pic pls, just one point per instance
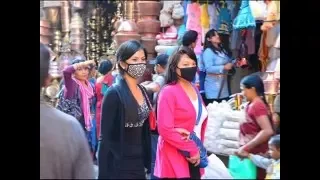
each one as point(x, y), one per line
point(70, 106)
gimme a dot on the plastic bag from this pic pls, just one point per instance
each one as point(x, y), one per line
point(242, 168)
point(216, 169)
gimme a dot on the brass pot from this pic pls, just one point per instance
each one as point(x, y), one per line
point(149, 26)
point(149, 44)
point(53, 15)
point(45, 39)
point(149, 8)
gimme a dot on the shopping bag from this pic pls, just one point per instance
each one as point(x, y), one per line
point(242, 168)
point(216, 169)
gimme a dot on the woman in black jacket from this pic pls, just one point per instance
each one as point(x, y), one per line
point(125, 149)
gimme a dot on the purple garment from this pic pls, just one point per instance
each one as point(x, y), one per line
point(250, 41)
point(69, 83)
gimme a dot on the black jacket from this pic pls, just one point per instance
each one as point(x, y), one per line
point(113, 128)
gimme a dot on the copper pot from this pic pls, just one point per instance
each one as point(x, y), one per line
point(53, 15)
point(127, 26)
point(127, 31)
point(122, 37)
point(44, 23)
point(77, 4)
point(117, 24)
point(149, 8)
point(148, 26)
point(149, 44)
point(136, 15)
point(45, 31)
point(45, 39)
point(65, 18)
point(270, 83)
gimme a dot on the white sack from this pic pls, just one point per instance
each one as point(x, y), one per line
point(229, 134)
point(216, 169)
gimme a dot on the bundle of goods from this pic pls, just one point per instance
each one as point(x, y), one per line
point(222, 134)
point(229, 132)
point(217, 114)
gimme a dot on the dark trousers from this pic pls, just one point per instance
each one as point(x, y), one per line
point(154, 143)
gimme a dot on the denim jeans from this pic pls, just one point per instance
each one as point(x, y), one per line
point(154, 143)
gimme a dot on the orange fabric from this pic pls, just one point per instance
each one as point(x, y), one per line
point(263, 52)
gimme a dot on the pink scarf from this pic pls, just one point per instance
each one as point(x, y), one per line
point(86, 95)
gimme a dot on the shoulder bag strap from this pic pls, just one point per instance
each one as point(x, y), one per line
point(146, 96)
point(199, 105)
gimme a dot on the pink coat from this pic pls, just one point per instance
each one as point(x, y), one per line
point(175, 110)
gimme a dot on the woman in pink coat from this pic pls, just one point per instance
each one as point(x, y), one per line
point(179, 105)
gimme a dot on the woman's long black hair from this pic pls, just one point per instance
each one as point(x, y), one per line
point(171, 75)
point(208, 44)
point(255, 81)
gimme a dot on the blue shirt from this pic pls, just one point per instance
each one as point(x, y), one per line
point(214, 64)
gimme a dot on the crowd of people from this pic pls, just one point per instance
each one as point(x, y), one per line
point(153, 127)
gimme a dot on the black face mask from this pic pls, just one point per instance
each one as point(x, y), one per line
point(188, 73)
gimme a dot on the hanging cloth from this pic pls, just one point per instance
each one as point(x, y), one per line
point(193, 23)
point(212, 10)
point(185, 4)
point(224, 19)
point(263, 52)
point(205, 20)
point(258, 9)
point(244, 18)
point(272, 15)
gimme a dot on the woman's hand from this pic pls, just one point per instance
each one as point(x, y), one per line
point(82, 64)
point(195, 160)
point(228, 66)
point(241, 152)
point(185, 133)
